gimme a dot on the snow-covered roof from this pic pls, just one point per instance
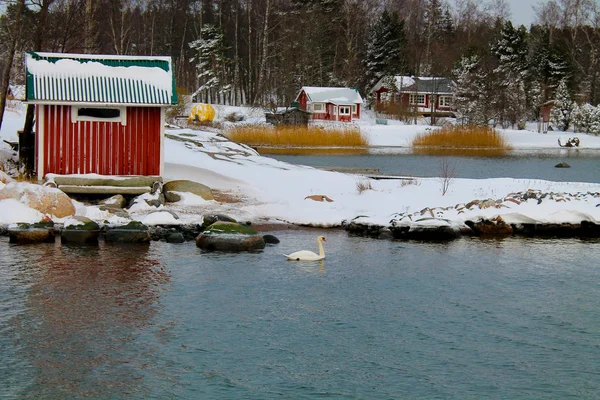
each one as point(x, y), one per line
point(107, 79)
point(412, 84)
point(335, 95)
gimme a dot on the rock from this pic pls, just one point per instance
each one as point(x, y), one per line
point(133, 232)
point(210, 219)
point(318, 197)
point(119, 212)
point(175, 237)
point(44, 199)
point(23, 233)
point(385, 234)
point(432, 232)
point(229, 236)
point(270, 239)
point(171, 188)
point(230, 242)
point(562, 165)
point(490, 227)
point(116, 201)
point(79, 229)
point(5, 178)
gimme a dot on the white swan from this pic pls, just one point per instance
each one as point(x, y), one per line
point(305, 255)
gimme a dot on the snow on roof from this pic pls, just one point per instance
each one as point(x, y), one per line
point(96, 78)
point(420, 84)
point(329, 94)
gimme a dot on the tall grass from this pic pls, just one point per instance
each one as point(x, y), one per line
point(297, 136)
point(462, 137)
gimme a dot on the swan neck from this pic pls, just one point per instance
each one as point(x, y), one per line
point(321, 249)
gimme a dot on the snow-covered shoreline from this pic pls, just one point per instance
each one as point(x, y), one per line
point(262, 190)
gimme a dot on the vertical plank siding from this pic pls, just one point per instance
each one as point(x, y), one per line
point(106, 148)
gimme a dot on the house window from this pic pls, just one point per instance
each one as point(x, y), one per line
point(353, 108)
point(99, 114)
point(318, 107)
point(445, 101)
point(418, 99)
point(344, 110)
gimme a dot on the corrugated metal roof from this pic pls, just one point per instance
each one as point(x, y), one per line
point(106, 79)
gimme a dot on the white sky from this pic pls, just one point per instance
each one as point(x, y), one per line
point(522, 11)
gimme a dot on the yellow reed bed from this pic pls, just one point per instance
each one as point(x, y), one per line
point(462, 137)
point(296, 136)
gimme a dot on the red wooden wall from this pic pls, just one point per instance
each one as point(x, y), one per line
point(106, 148)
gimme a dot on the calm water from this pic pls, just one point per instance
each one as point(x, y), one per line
point(513, 318)
point(585, 164)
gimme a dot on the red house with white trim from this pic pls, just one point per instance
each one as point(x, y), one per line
point(330, 103)
point(101, 114)
point(423, 95)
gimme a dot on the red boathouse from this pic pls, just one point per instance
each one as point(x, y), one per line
point(101, 114)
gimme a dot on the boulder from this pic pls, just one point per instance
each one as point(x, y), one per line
point(133, 232)
point(270, 239)
point(229, 236)
point(562, 165)
point(176, 237)
point(79, 229)
point(46, 200)
point(171, 189)
point(210, 219)
point(23, 233)
point(116, 201)
point(490, 227)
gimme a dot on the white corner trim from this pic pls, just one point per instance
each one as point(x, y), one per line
point(163, 113)
point(41, 125)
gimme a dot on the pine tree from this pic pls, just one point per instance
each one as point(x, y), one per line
point(512, 72)
point(210, 63)
point(595, 121)
point(562, 111)
point(470, 90)
point(385, 48)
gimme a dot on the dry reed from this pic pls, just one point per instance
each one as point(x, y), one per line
point(462, 137)
point(297, 136)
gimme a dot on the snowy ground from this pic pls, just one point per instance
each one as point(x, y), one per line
point(263, 190)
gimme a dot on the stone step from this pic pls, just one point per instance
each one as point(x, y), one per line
point(88, 189)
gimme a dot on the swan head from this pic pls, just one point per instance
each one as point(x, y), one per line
point(321, 239)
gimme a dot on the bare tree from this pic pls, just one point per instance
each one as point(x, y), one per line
point(15, 35)
point(447, 174)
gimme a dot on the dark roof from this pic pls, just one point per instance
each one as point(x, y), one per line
point(430, 85)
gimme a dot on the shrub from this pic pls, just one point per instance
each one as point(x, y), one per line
point(462, 137)
point(299, 136)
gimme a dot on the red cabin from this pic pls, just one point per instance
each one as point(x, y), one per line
point(424, 96)
point(330, 103)
point(99, 114)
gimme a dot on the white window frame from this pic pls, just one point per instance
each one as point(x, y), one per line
point(354, 108)
point(344, 110)
point(321, 107)
point(414, 99)
point(75, 117)
point(445, 101)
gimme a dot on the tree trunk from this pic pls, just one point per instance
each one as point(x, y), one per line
point(37, 46)
point(265, 52)
point(16, 34)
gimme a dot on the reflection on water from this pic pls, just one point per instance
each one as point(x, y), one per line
point(313, 150)
point(377, 319)
point(464, 152)
point(85, 304)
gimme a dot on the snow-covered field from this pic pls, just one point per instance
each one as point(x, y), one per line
point(264, 190)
